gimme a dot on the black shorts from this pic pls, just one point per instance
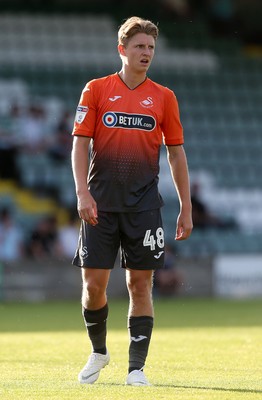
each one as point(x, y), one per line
point(139, 235)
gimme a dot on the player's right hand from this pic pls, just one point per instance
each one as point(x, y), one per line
point(87, 208)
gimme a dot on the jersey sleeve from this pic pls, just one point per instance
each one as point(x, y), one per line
point(171, 125)
point(85, 118)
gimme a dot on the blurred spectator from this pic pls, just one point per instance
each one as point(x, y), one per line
point(33, 130)
point(62, 146)
point(180, 8)
point(202, 217)
point(11, 237)
point(68, 236)
point(43, 241)
point(222, 16)
point(167, 280)
point(249, 16)
point(9, 145)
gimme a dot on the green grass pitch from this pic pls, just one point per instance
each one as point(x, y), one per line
point(201, 349)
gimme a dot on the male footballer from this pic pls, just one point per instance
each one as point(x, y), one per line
point(121, 122)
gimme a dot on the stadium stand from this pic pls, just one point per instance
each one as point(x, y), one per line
point(219, 88)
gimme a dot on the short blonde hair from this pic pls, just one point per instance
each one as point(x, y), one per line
point(135, 25)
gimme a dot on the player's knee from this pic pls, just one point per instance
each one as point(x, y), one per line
point(139, 287)
point(92, 290)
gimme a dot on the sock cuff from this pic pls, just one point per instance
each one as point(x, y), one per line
point(138, 321)
point(95, 316)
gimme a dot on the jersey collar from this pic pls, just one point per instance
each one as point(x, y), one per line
point(117, 73)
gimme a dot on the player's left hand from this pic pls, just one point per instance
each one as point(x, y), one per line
point(184, 226)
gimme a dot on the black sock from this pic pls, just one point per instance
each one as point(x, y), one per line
point(95, 321)
point(140, 330)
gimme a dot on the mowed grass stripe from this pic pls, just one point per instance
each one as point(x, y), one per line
point(187, 312)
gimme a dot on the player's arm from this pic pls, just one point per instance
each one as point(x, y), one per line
point(86, 204)
point(179, 170)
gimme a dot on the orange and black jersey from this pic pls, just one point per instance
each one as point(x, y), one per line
point(127, 127)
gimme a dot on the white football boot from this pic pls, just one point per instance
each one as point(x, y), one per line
point(90, 373)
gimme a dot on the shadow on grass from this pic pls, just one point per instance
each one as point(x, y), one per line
point(218, 389)
point(211, 388)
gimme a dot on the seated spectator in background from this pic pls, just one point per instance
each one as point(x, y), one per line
point(167, 280)
point(222, 17)
point(200, 214)
point(61, 148)
point(9, 143)
point(202, 217)
point(34, 130)
point(11, 237)
point(176, 8)
point(44, 239)
point(68, 236)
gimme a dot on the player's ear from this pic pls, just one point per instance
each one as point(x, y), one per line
point(121, 50)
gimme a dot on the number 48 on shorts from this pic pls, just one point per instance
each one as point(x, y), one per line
point(151, 240)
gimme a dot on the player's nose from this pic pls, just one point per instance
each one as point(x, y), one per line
point(147, 51)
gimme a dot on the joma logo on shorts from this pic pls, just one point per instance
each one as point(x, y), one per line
point(129, 121)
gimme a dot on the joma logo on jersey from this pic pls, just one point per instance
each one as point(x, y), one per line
point(129, 121)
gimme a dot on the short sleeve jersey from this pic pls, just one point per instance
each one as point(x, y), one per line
point(127, 128)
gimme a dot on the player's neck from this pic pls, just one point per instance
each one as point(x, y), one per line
point(132, 80)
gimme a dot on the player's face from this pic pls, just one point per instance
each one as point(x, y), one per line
point(139, 52)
